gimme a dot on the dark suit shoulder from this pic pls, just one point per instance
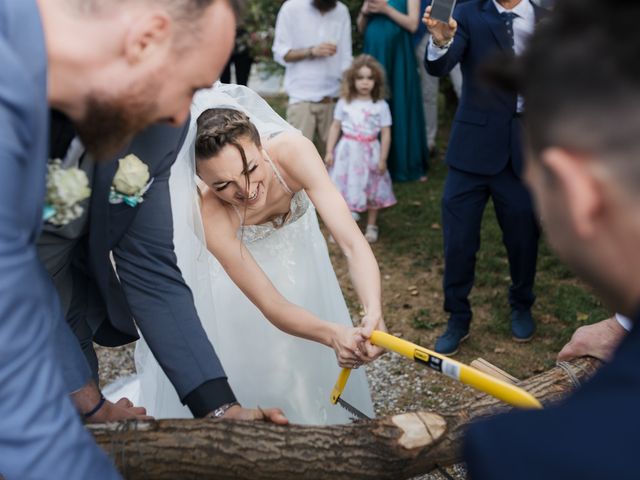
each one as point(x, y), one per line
point(465, 12)
point(540, 12)
point(158, 145)
point(468, 6)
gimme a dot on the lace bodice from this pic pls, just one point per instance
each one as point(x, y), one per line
point(299, 205)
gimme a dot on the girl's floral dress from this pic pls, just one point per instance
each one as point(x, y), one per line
point(356, 156)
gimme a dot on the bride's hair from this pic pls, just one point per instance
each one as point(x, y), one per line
point(219, 127)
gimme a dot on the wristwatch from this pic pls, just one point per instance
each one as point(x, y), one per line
point(444, 46)
point(221, 410)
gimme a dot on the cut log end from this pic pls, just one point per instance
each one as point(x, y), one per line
point(419, 429)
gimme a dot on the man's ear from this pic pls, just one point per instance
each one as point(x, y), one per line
point(148, 35)
point(580, 188)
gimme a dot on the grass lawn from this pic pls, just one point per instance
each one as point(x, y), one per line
point(410, 255)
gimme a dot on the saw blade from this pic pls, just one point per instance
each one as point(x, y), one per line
point(353, 410)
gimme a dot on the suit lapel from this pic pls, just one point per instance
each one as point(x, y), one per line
point(490, 15)
point(99, 226)
point(539, 13)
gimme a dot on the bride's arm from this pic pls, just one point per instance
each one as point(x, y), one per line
point(245, 272)
point(301, 161)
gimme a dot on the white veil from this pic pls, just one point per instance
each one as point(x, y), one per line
point(184, 202)
point(188, 237)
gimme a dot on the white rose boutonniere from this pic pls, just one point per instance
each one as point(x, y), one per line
point(66, 188)
point(130, 182)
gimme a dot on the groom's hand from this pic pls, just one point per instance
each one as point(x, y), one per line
point(273, 415)
point(89, 397)
point(123, 409)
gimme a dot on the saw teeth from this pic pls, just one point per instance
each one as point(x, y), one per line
point(357, 414)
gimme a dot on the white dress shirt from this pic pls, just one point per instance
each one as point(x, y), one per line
point(523, 26)
point(300, 25)
point(624, 322)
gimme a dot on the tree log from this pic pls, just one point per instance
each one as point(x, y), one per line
point(400, 446)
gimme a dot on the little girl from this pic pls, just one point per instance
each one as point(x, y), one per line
point(358, 163)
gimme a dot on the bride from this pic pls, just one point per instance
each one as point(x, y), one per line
point(244, 192)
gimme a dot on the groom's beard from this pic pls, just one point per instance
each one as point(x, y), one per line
point(110, 124)
point(325, 5)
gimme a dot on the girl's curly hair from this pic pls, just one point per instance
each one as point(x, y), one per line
point(349, 92)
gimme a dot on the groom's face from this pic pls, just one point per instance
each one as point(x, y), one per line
point(111, 121)
point(157, 84)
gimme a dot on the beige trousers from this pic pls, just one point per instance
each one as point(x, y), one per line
point(313, 120)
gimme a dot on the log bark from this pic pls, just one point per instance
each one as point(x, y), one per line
point(395, 447)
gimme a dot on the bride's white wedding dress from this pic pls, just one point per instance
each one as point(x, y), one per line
point(265, 366)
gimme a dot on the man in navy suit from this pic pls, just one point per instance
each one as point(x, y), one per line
point(113, 67)
point(485, 160)
point(581, 81)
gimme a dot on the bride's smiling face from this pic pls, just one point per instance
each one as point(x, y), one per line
point(228, 178)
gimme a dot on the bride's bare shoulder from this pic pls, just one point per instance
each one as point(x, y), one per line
point(292, 151)
point(287, 142)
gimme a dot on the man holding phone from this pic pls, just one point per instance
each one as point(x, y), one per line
point(430, 84)
point(484, 157)
point(442, 10)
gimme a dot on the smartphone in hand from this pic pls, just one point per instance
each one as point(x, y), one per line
point(442, 9)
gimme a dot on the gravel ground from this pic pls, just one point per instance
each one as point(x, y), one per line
point(397, 386)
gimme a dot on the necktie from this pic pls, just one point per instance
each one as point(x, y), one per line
point(507, 18)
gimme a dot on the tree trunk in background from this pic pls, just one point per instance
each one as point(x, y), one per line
point(400, 446)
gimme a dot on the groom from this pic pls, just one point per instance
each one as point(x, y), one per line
point(100, 302)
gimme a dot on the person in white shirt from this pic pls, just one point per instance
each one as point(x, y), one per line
point(313, 42)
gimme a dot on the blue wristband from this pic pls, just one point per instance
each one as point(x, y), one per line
point(96, 408)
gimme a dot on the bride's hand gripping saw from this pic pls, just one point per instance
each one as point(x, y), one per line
point(459, 371)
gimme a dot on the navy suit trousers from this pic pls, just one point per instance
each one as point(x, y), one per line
point(464, 199)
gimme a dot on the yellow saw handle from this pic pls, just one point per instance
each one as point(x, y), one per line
point(468, 375)
point(340, 384)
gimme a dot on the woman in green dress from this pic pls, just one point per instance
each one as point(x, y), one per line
point(388, 28)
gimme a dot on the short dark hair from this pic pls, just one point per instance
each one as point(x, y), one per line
point(580, 77)
point(325, 6)
point(181, 10)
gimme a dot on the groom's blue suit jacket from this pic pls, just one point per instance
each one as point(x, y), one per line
point(40, 433)
point(146, 284)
